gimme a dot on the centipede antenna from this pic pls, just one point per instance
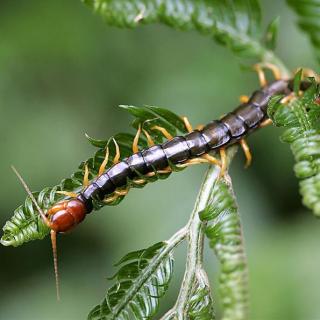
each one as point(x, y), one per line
point(24, 184)
point(48, 223)
point(53, 235)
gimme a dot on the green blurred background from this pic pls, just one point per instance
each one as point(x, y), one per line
point(63, 73)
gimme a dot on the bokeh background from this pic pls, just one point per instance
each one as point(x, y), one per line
point(63, 73)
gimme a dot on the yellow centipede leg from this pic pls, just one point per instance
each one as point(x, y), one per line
point(274, 69)
point(117, 155)
point(223, 157)
point(149, 139)
point(139, 181)
point(110, 199)
point(266, 65)
point(212, 159)
point(164, 131)
point(104, 163)
point(243, 99)
point(187, 124)
point(246, 151)
point(165, 171)
point(135, 144)
point(122, 192)
point(265, 123)
point(68, 193)
point(200, 127)
point(117, 193)
point(150, 174)
point(192, 162)
point(287, 99)
point(86, 176)
point(261, 75)
point(311, 73)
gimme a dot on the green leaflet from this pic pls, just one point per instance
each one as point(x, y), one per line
point(200, 305)
point(309, 20)
point(141, 281)
point(235, 23)
point(224, 232)
point(26, 224)
point(301, 120)
point(272, 34)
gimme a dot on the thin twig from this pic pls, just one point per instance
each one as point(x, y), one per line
point(195, 242)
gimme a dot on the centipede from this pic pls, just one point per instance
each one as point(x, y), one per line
point(156, 160)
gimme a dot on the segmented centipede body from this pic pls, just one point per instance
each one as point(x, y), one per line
point(176, 151)
point(161, 159)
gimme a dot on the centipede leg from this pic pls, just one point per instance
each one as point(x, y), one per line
point(192, 162)
point(85, 182)
point(149, 139)
point(122, 192)
point(104, 163)
point(116, 195)
point(117, 155)
point(151, 174)
point(164, 131)
point(265, 123)
point(266, 65)
point(288, 99)
point(187, 124)
point(111, 199)
point(306, 72)
point(200, 127)
point(261, 75)
point(244, 99)
point(274, 69)
point(68, 193)
point(246, 151)
point(139, 181)
point(163, 171)
point(212, 159)
point(223, 157)
point(135, 144)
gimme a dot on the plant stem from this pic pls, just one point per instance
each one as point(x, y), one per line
point(195, 242)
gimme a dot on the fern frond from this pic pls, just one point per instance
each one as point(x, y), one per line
point(26, 223)
point(141, 281)
point(308, 12)
point(200, 305)
point(301, 118)
point(224, 232)
point(235, 24)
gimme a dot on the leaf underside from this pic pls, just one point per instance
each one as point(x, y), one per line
point(141, 281)
point(301, 119)
point(224, 232)
point(26, 223)
point(234, 23)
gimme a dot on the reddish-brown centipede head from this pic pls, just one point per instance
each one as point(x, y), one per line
point(66, 214)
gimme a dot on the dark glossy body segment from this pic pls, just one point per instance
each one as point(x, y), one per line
point(217, 134)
